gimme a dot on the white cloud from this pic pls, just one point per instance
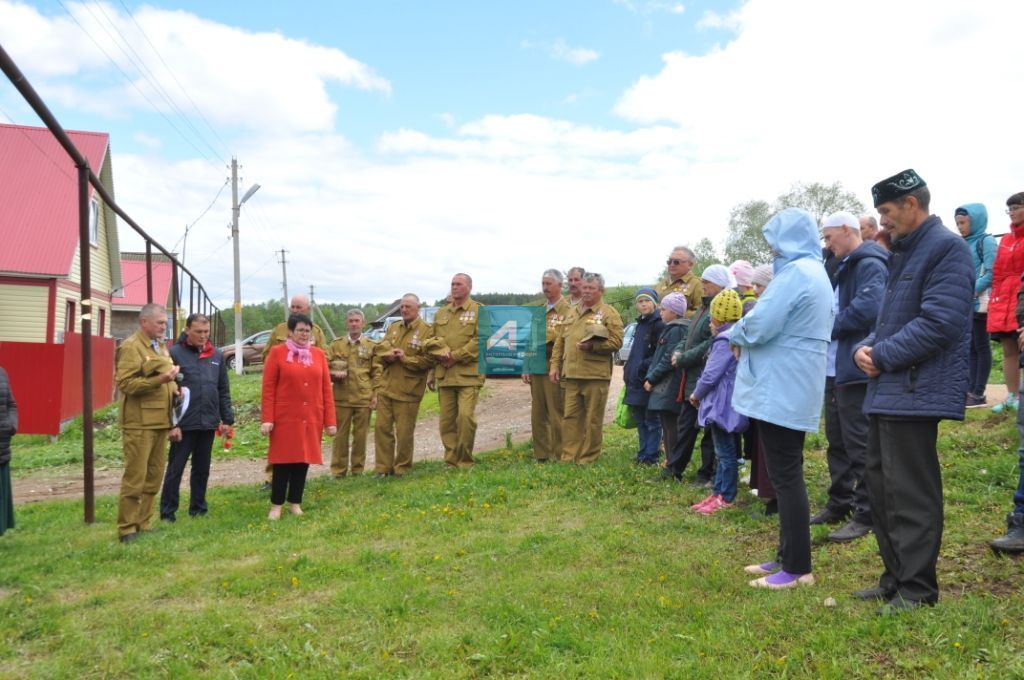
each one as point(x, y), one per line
point(652, 6)
point(560, 50)
point(803, 91)
point(148, 141)
point(714, 20)
point(256, 80)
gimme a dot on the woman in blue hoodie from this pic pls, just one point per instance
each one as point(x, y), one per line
point(780, 380)
point(972, 221)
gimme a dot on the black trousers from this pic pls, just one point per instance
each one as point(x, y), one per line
point(846, 427)
point(288, 480)
point(905, 487)
point(686, 437)
point(784, 456)
point(198, 444)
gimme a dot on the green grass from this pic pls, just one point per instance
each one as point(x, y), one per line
point(64, 454)
point(510, 569)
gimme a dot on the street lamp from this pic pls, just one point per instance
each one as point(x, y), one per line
point(236, 206)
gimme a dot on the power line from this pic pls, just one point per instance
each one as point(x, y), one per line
point(201, 215)
point(143, 69)
point(134, 85)
point(174, 77)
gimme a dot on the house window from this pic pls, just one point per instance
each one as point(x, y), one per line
point(103, 323)
point(69, 317)
point(94, 221)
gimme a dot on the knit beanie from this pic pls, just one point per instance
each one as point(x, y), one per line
point(719, 275)
point(743, 271)
point(675, 303)
point(647, 294)
point(726, 306)
point(763, 275)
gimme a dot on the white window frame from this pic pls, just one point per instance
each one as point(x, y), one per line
point(94, 221)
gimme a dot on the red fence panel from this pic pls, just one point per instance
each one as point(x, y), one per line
point(47, 380)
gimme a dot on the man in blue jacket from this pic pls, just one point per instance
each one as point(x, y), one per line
point(206, 376)
point(858, 284)
point(916, 360)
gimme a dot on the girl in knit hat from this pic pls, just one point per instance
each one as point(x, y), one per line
point(713, 399)
point(662, 379)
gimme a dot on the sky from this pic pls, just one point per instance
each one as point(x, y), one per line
point(399, 142)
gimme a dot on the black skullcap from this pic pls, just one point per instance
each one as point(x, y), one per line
point(897, 186)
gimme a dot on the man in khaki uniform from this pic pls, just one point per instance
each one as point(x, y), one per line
point(399, 387)
point(354, 371)
point(299, 304)
point(574, 279)
point(145, 378)
point(547, 398)
point(681, 279)
point(591, 335)
point(454, 347)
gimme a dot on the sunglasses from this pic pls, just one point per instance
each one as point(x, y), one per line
point(671, 261)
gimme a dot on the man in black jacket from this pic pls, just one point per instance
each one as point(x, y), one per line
point(205, 375)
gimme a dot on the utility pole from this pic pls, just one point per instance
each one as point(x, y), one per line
point(236, 207)
point(313, 307)
point(284, 282)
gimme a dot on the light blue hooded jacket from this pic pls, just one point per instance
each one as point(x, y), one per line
point(983, 248)
point(784, 339)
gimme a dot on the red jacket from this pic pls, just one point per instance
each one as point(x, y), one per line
point(299, 402)
point(1006, 273)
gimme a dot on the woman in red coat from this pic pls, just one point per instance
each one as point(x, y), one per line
point(1002, 304)
point(297, 403)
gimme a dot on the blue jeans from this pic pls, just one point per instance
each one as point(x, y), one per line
point(1018, 497)
point(725, 473)
point(648, 430)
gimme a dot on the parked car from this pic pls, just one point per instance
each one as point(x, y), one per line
point(627, 343)
point(379, 328)
point(252, 350)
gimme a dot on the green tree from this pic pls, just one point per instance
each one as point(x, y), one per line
point(745, 240)
point(705, 255)
point(820, 199)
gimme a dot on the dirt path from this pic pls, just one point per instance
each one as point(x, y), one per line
point(505, 409)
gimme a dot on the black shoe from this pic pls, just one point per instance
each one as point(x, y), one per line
point(877, 593)
point(167, 518)
point(851, 531)
point(540, 460)
point(266, 486)
point(898, 605)
point(1012, 542)
point(197, 514)
point(829, 516)
point(128, 538)
point(771, 507)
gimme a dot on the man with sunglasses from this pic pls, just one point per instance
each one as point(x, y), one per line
point(681, 279)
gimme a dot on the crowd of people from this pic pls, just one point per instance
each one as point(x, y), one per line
point(886, 329)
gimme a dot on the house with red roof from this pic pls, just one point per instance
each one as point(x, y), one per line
point(40, 274)
point(128, 301)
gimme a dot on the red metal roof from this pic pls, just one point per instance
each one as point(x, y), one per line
point(39, 198)
point(133, 273)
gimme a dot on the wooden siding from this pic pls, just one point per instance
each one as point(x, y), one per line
point(23, 312)
point(100, 260)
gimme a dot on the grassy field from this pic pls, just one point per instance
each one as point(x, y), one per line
point(510, 569)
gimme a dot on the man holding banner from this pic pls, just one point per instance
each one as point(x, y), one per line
point(582, 358)
point(547, 403)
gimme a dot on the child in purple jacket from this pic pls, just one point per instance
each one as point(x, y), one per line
point(713, 398)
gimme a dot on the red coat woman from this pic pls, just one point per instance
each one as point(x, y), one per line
point(1006, 272)
point(298, 400)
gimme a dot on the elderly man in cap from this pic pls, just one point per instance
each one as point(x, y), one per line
point(858, 284)
point(681, 279)
point(582, 357)
point(916, 360)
